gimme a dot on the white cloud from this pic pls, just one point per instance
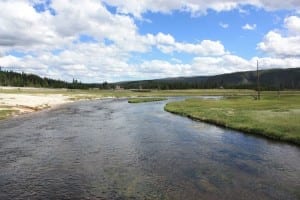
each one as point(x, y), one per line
point(219, 65)
point(269, 62)
point(196, 7)
point(161, 68)
point(167, 44)
point(210, 66)
point(22, 27)
point(280, 44)
point(38, 35)
point(233, 63)
point(164, 39)
point(223, 25)
point(249, 27)
point(85, 61)
point(292, 23)
point(113, 67)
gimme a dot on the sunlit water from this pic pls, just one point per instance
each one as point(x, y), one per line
point(114, 150)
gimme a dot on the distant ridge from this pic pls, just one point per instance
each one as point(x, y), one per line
point(271, 79)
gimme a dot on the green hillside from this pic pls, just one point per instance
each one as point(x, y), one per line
point(272, 79)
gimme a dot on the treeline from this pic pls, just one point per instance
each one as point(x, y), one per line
point(10, 78)
point(274, 79)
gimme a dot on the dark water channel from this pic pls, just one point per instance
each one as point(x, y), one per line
point(110, 149)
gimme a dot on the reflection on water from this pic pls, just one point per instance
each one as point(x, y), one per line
point(114, 150)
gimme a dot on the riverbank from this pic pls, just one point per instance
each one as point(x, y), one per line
point(273, 116)
point(17, 104)
point(21, 100)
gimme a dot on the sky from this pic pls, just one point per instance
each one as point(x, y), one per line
point(118, 40)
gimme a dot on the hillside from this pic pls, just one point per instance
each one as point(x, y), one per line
point(10, 78)
point(272, 79)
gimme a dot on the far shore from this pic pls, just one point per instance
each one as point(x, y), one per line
point(21, 100)
point(17, 104)
point(16, 101)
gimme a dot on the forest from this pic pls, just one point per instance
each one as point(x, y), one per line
point(273, 79)
point(11, 78)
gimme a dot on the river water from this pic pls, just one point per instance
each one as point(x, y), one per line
point(109, 149)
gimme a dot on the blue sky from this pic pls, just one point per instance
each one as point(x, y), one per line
point(110, 40)
point(193, 29)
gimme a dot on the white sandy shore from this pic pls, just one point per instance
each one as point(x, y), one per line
point(27, 100)
point(24, 103)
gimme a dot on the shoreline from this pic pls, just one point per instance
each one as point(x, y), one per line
point(13, 105)
point(273, 117)
point(244, 131)
point(24, 104)
point(185, 111)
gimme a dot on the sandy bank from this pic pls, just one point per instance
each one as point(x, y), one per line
point(25, 103)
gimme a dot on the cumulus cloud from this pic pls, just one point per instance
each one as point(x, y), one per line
point(207, 65)
point(167, 44)
point(161, 68)
point(249, 27)
point(223, 64)
point(40, 34)
point(292, 23)
point(233, 63)
point(50, 40)
point(196, 7)
point(284, 43)
point(85, 61)
point(22, 27)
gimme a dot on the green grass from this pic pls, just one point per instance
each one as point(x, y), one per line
point(272, 116)
point(148, 99)
point(6, 113)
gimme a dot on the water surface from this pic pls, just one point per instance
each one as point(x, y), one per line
point(114, 150)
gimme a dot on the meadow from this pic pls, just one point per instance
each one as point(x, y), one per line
point(274, 116)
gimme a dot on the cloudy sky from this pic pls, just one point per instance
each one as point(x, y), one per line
point(116, 40)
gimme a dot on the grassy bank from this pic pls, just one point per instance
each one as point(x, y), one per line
point(273, 116)
point(6, 113)
point(148, 99)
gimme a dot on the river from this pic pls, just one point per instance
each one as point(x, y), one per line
point(109, 149)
